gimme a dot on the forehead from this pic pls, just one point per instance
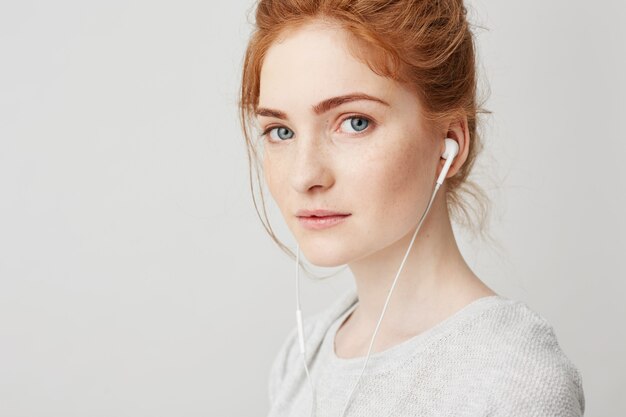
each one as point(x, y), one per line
point(312, 63)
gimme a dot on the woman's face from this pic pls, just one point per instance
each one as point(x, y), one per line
point(373, 158)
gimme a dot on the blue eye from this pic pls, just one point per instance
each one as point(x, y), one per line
point(357, 123)
point(283, 133)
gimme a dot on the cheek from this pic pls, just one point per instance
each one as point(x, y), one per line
point(271, 174)
point(399, 185)
point(274, 173)
point(398, 181)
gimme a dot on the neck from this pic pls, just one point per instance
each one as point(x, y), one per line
point(434, 282)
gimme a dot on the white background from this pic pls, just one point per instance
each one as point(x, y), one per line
point(135, 276)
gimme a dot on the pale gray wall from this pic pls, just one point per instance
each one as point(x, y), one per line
point(135, 277)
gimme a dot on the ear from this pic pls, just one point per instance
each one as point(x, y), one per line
point(457, 130)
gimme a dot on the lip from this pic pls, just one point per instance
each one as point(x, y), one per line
point(323, 222)
point(320, 218)
point(320, 213)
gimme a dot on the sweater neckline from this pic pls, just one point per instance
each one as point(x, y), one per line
point(397, 354)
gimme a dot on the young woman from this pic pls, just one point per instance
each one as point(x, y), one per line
point(364, 109)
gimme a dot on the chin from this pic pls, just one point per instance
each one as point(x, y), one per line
point(326, 256)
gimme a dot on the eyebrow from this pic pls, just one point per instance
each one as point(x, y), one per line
point(323, 106)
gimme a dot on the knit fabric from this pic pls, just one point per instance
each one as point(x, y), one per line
point(495, 357)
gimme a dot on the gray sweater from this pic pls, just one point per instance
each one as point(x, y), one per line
point(495, 357)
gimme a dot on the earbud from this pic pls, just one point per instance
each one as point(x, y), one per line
point(451, 151)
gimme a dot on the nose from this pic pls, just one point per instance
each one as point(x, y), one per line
point(311, 165)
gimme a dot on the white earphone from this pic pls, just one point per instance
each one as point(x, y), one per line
point(450, 152)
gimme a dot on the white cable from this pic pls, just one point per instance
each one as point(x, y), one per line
point(299, 314)
point(389, 296)
point(301, 331)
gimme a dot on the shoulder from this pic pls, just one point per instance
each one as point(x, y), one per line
point(531, 373)
point(288, 355)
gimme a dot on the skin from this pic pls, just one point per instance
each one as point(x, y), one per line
point(380, 166)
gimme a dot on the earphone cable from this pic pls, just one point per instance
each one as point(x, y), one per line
point(389, 297)
point(299, 312)
point(301, 330)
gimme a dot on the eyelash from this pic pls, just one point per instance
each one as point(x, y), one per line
point(352, 116)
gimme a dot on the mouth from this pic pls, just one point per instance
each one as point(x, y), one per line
point(322, 222)
point(320, 213)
